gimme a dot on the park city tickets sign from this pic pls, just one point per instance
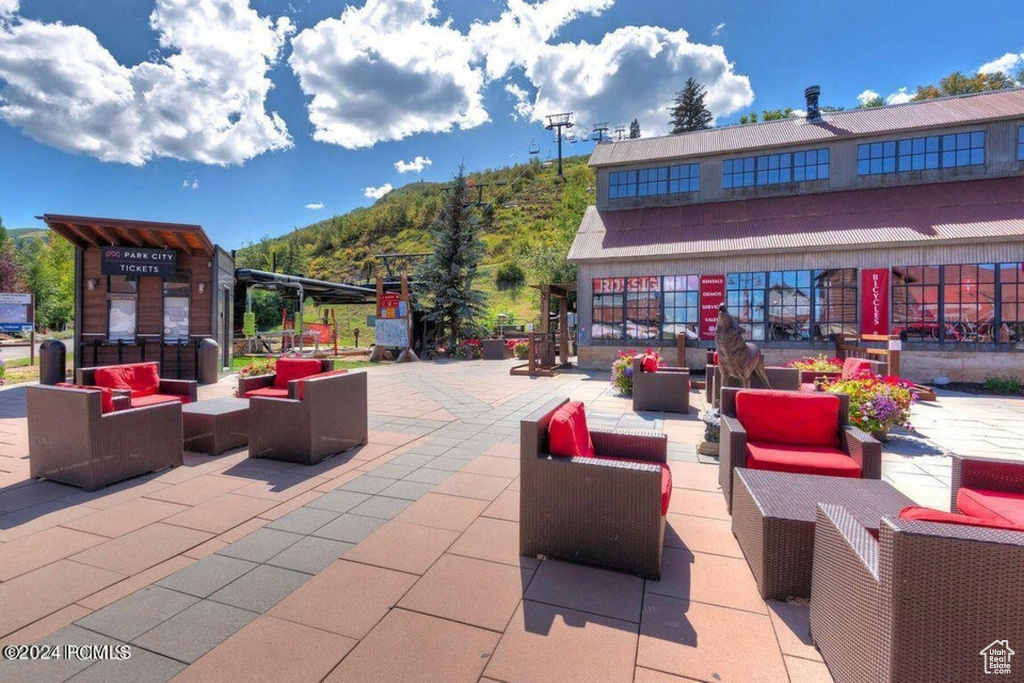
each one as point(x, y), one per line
point(138, 262)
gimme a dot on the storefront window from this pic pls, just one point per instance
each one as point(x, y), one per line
point(643, 308)
point(745, 299)
point(835, 302)
point(1011, 311)
point(915, 302)
point(122, 309)
point(969, 302)
point(176, 306)
point(789, 304)
point(682, 306)
point(609, 297)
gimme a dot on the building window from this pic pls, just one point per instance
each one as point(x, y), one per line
point(122, 307)
point(772, 169)
point(789, 304)
point(916, 154)
point(682, 306)
point(643, 308)
point(608, 314)
point(650, 182)
point(1020, 143)
point(177, 292)
point(745, 298)
point(1011, 300)
point(956, 303)
point(835, 302)
point(915, 302)
point(969, 302)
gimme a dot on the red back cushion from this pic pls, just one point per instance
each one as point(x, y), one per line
point(141, 379)
point(294, 368)
point(114, 377)
point(106, 395)
point(650, 364)
point(319, 374)
point(567, 432)
point(789, 417)
point(852, 367)
point(920, 514)
point(714, 358)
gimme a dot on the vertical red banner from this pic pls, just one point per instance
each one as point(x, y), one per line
point(712, 295)
point(874, 301)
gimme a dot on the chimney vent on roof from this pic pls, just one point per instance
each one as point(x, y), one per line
point(813, 113)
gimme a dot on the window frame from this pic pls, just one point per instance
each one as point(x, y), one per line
point(180, 277)
point(780, 168)
point(655, 181)
point(923, 153)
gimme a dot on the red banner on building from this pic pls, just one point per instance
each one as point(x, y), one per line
point(874, 301)
point(712, 295)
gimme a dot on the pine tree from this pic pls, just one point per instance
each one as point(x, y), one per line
point(689, 112)
point(447, 275)
point(634, 129)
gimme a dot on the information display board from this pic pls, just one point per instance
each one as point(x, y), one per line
point(392, 332)
point(16, 314)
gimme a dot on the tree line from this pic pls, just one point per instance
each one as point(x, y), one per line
point(44, 265)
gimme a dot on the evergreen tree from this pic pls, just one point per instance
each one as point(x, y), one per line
point(634, 129)
point(447, 274)
point(689, 112)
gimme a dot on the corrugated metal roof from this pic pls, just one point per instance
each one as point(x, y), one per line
point(991, 209)
point(946, 111)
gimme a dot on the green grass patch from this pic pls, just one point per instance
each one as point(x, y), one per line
point(238, 362)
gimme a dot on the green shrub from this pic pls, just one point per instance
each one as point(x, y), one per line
point(509, 276)
point(1002, 385)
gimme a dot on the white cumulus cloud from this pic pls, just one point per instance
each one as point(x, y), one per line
point(867, 96)
point(190, 184)
point(386, 71)
point(377, 192)
point(1008, 64)
point(634, 72)
point(901, 96)
point(8, 8)
point(315, 206)
point(416, 165)
point(523, 107)
point(205, 101)
point(718, 29)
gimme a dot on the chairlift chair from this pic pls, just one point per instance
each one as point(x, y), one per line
point(534, 148)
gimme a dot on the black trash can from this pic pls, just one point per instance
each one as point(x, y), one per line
point(52, 362)
point(209, 359)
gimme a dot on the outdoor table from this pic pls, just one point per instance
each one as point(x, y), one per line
point(773, 517)
point(216, 425)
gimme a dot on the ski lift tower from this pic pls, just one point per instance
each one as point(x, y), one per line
point(557, 122)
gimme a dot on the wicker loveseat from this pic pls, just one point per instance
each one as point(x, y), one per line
point(71, 439)
point(141, 381)
point(284, 382)
point(666, 388)
point(604, 511)
point(922, 603)
point(852, 367)
point(328, 416)
point(792, 431)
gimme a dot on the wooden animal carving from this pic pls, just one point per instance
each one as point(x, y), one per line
point(736, 357)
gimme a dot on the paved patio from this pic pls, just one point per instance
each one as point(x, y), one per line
point(399, 560)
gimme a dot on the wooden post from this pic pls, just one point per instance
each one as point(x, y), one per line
point(563, 330)
point(680, 350)
point(378, 352)
point(532, 356)
point(407, 355)
point(893, 360)
point(547, 353)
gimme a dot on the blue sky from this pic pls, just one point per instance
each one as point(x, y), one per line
point(253, 117)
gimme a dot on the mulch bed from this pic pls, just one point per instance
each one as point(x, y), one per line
point(973, 388)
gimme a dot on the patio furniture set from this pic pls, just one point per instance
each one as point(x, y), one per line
point(118, 422)
point(897, 592)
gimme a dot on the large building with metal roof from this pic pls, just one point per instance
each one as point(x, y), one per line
point(906, 219)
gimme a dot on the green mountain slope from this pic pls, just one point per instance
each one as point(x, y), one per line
point(529, 214)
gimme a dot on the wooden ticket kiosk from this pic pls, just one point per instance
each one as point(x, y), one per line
point(148, 291)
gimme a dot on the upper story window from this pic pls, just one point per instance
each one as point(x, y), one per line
point(917, 154)
point(1020, 143)
point(772, 169)
point(654, 181)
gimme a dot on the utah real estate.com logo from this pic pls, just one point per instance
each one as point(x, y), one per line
point(997, 657)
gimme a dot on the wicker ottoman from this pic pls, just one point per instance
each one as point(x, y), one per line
point(773, 517)
point(216, 425)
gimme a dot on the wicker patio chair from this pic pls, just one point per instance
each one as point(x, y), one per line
point(267, 382)
point(168, 387)
point(864, 450)
point(787, 379)
point(917, 605)
point(593, 511)
point(331, 417)
point(71, 441)
point(667, 389)
point(985, 474)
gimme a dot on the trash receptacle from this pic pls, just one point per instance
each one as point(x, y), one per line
point(209, 357)
point(52, 362)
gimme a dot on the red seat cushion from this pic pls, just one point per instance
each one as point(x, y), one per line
point(789, 417)
point(567, 432)
point(294, 368)
point(141, 379)
point(852, 367)
point(106, 395)
point(329, 373)
point(267, 392)
point(920, 514)
point(153, 399)
point(999, 505)
point(821, 460)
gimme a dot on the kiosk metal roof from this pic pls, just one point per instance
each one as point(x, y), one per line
point(89, 231)
point(320, 291)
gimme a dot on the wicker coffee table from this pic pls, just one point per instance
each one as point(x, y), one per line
point(773, 519)
point(216, 425)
